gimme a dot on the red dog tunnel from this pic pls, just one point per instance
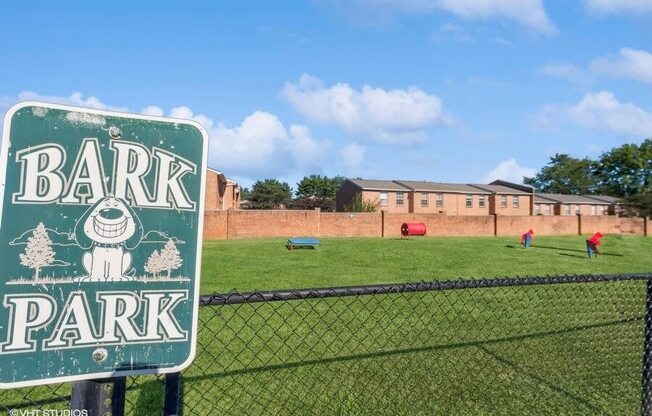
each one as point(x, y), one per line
point(413, 228)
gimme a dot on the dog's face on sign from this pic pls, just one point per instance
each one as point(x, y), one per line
point(110, 221)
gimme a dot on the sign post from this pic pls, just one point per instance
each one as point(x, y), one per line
point(101, 217)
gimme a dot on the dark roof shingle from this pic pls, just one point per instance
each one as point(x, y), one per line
point(500, 189)
point(378, 185)
point(567, 199)
point(425, 186)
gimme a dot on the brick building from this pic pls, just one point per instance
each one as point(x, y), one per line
point(562, 204)
point(446, 198)
point(498, 197)
point(222, 193)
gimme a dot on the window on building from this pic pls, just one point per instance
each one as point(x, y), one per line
point(383, 199)
point(481, 201)
point(503, 201)
point(399, 199)
point(537, 209)
point(567, 210)
point(605, 211)
point(577, 209)
point(440, 200)
point(547, 210)
point(424, 199)
point(515, 201)
point(592, 209)
point(469, 201)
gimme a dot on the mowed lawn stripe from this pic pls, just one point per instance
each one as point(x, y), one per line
point(246, 265)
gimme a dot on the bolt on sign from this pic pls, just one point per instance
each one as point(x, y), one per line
point(100, 243)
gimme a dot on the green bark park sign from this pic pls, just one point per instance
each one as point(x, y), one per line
point(100, 243)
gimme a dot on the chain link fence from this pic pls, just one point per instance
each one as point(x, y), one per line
point(543, 345)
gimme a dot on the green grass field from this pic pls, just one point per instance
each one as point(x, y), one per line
point(554, 349)
point(246, 265)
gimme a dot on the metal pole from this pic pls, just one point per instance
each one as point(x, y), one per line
point(93, 396)
point(172, 404)
point(119, 392)
point(99, 397)
point(646, 408)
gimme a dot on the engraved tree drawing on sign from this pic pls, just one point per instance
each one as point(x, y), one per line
point(38, 252)
point(170, 258)
point(154, 264)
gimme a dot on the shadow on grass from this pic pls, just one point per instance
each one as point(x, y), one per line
point(150, 398)
point(576, 250)
point(519, 369)
point(573, 255)
point(561, 249)
point(412, 350)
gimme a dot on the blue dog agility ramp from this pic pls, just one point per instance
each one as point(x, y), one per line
point(301, 242)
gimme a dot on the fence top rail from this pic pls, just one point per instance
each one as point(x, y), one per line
point(234, 298)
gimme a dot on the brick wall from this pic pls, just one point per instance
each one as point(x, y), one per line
point(263, 223)
point(259, 223)
point(215, 225)
point(541, 224)
point(353, 224)
point(612, 225)
point(439, 224)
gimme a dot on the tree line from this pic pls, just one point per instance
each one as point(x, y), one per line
point(624, 172)
point(314, 191)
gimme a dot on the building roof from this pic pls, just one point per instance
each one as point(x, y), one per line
point(566, 199)
point(215, 171)
point(378, 185)
point(425, 186)
point(605, 198)
point(501, 189)
point(541, 199)
point(520, 187)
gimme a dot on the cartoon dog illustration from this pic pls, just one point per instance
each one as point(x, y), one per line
point(109, 229)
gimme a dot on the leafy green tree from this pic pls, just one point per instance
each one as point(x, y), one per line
point(312, 202)
point(245, 193)
point(359, 204)
point(319, 186)
point(639, 204)
point(270, 194)
point(625, 170)
point(565, 175)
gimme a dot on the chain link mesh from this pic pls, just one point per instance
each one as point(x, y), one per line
point(568, 345)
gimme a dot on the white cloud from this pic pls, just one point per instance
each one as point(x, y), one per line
point(630, 63)
point(152, 110)
point(509, 170)
point(619, 6)
point(353, 155)
point(452, 31)
point(528, 13)
point(76, 99)
point(570, 72)
point(384, 115)
point(184, 112)
point(601, 112)
point(261, 146)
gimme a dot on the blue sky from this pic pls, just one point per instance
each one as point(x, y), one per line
point(444, 90)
